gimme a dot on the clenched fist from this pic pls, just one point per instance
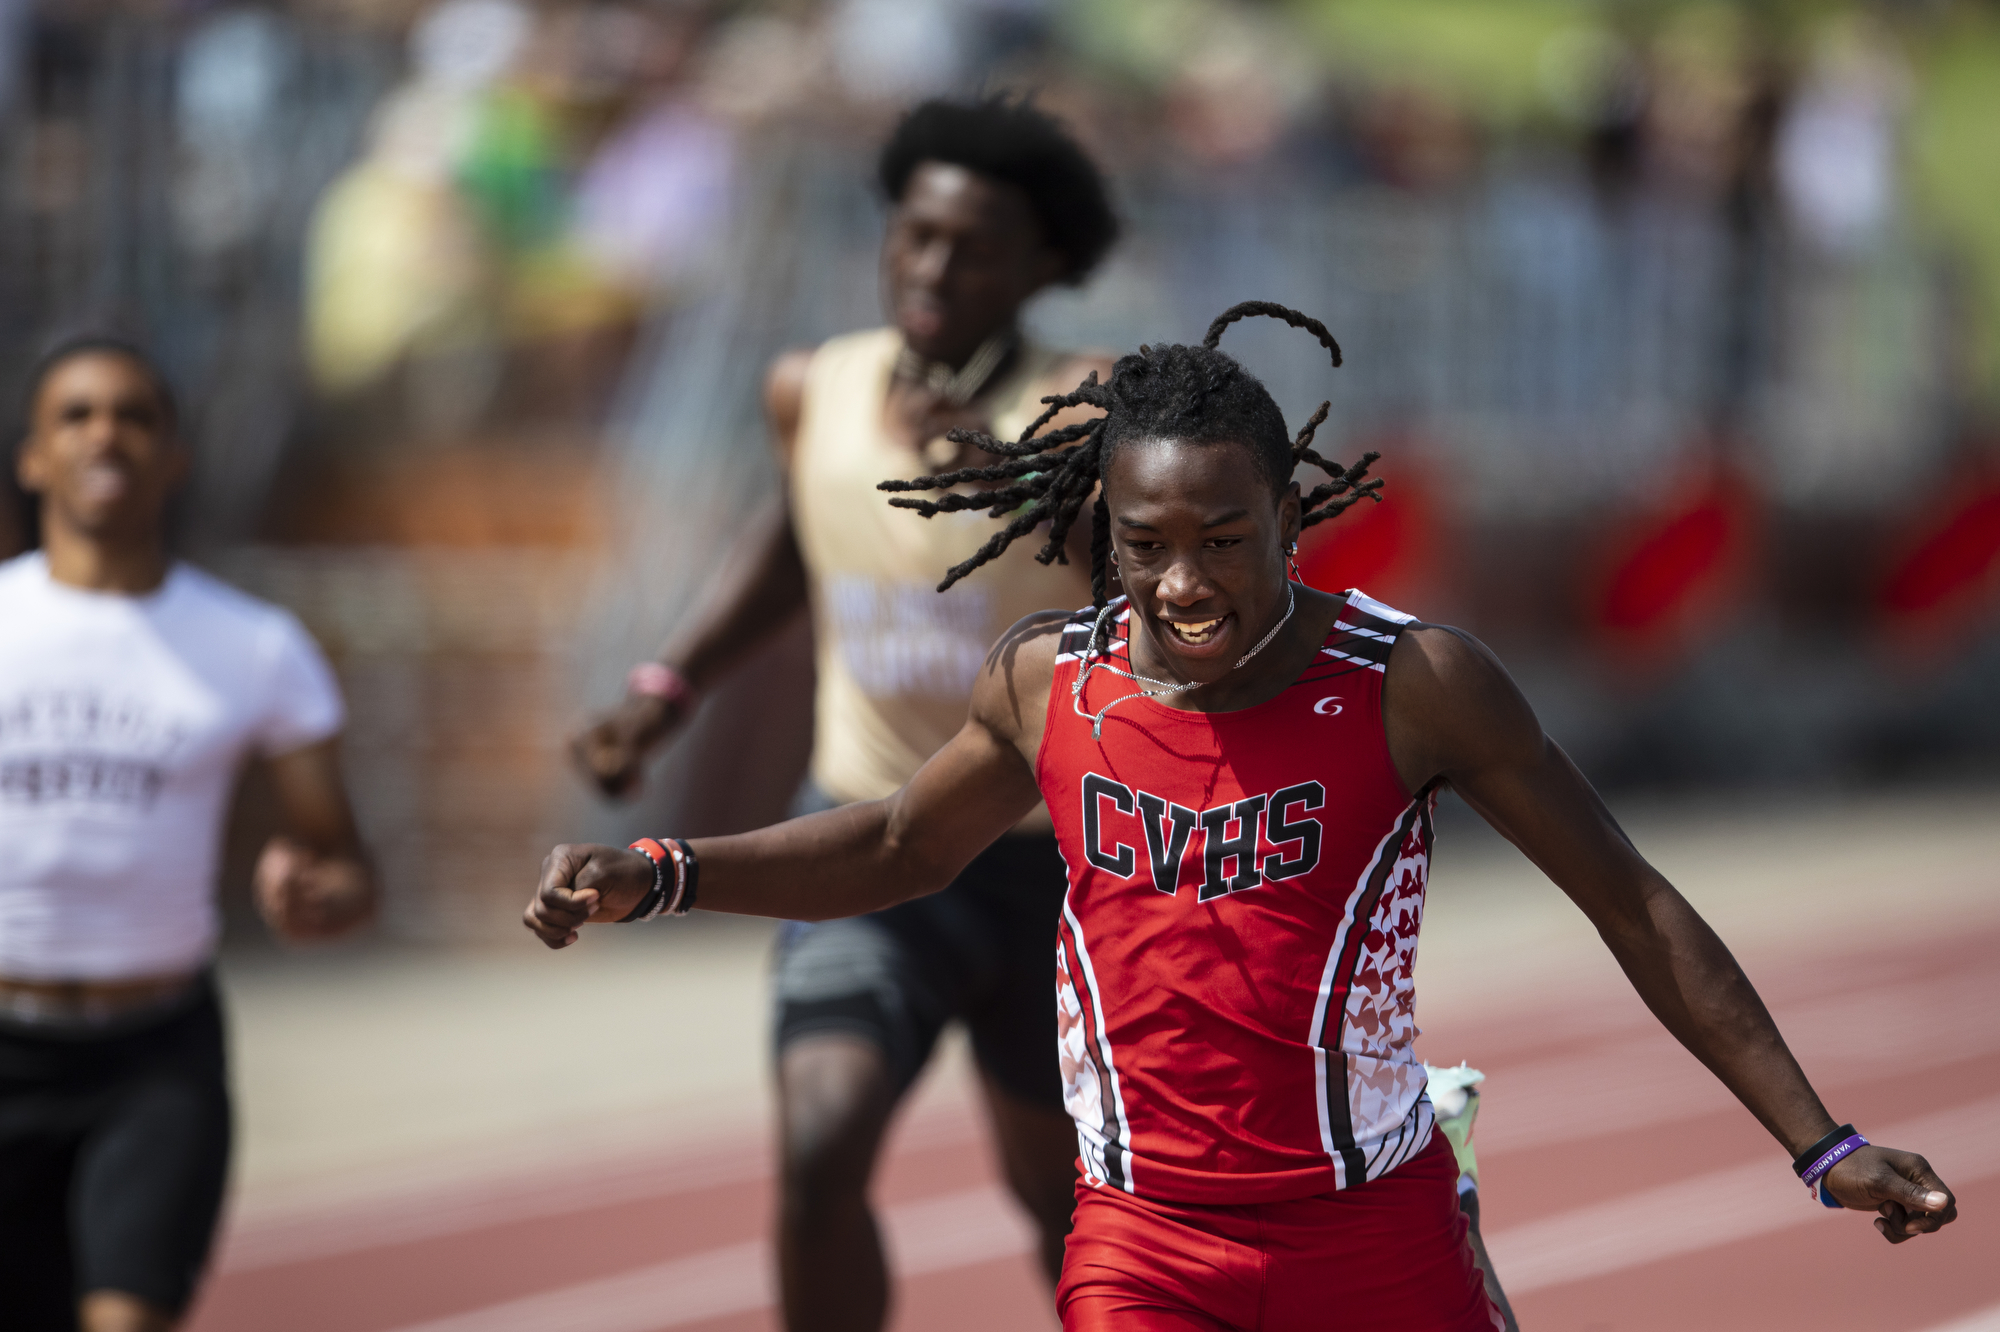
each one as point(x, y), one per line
point(584, 884)
point(304, 895)
point(1901, 1186)
point(612, 750)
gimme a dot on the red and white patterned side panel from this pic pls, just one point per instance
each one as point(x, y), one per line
point(1385, 1078)
point(1090, 1075)
point(1083, 1085)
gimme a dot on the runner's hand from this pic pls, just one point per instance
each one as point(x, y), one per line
point(305, 896)
point(586, 883)
point(611, 751)
point(1901, 1186)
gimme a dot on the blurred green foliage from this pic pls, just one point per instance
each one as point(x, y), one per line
point(1955, 168)
point(1498, 61)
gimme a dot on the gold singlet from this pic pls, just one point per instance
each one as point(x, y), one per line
point(896, 658)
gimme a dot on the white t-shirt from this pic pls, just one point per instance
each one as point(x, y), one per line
point(123, 723)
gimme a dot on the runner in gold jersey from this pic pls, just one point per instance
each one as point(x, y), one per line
point(991, 202)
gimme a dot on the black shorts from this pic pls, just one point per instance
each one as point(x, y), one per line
point(113, 1153)
point(981, 951)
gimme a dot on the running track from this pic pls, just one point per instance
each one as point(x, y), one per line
point(1623, 1188)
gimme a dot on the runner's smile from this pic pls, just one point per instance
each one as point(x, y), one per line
point(1198, 639)
point(1198, 535)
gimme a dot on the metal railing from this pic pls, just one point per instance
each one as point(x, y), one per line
point(157, 177)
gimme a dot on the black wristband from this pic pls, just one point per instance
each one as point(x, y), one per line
point(1803, 1161)
point(653, 895)
point(692, 868)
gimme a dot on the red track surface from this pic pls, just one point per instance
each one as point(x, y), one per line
point(1623, 1190)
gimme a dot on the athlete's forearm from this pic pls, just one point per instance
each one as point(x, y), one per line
point(1536, 797)
point(1692, 983)
point(875, 853)
point(842, 862)
point(762, 586)
point(1696, 988)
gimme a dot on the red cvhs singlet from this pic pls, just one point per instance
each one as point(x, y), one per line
point(1234, 957)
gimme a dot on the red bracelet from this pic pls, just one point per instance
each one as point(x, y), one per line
point(658, 680)
point(655, 901)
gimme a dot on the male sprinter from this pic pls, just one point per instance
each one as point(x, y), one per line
point(991, 202)
point(1241, 772)
point(132, 689)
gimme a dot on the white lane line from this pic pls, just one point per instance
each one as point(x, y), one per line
point(1722, 1207)
point(1985, 1320)
point(1841, 1040)
point(422, 1209)
point(713, 1284)
point(934, 1235)
point(253, 1242)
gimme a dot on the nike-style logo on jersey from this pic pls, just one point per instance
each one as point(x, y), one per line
point(1234, 958)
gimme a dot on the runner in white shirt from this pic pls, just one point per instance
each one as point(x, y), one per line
point(132, 691)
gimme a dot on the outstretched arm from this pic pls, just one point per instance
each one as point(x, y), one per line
point(858, 858)
point(1452, 712)
point(763, 584)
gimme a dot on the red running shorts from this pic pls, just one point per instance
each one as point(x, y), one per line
point(1389, 1254)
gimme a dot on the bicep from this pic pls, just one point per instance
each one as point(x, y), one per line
point(1461, 719)
point(312, 799)
point(968, 793)
point(1543, 804)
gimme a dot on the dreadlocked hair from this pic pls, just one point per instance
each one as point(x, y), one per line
point(1198, 394)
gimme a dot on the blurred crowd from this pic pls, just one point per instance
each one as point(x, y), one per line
point(489, 197)
point(541, 177)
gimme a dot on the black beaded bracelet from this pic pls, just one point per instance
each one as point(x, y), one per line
point(690, 869)
point(1803, 1161)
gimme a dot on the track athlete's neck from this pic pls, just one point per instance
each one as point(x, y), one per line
point(132, 566)
point(1260, 679)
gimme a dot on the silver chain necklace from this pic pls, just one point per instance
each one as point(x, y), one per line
point(1161, 689)
point(958, 387)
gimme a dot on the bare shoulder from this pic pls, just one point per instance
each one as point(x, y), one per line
point(1448, 703)
point(1012, 693)
point(785, 396)
point(1442, 662)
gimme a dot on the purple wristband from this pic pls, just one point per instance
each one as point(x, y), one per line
point(1832, 1156)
